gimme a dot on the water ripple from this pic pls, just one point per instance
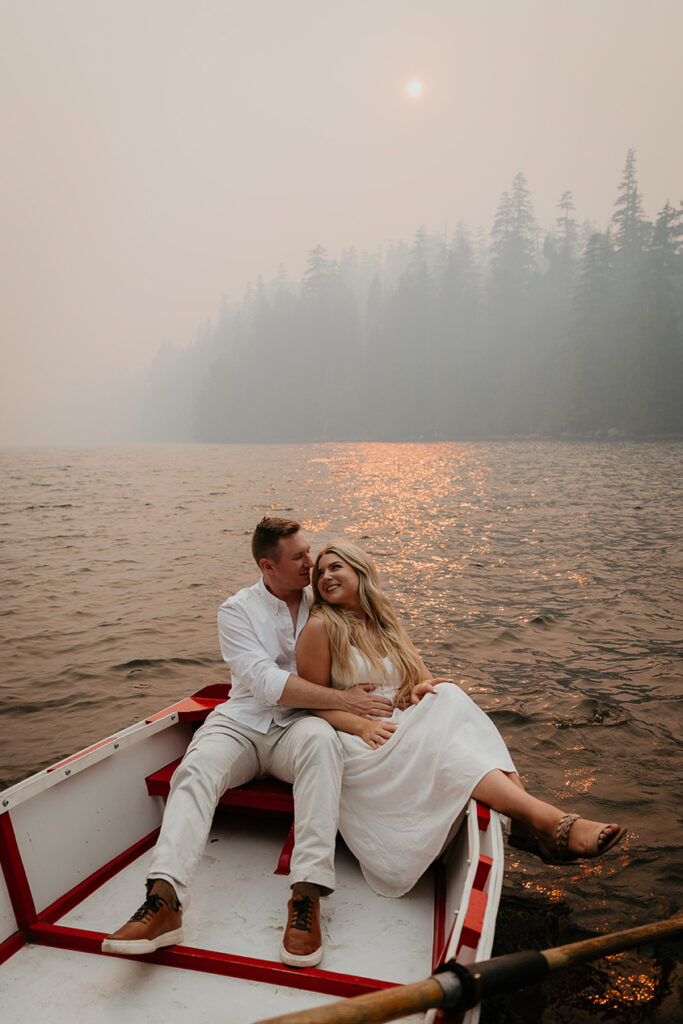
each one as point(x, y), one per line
point(545, 578)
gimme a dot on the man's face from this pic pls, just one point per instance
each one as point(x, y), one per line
point(293, 571)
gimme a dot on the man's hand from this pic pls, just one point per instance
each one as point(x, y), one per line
point(360, 700)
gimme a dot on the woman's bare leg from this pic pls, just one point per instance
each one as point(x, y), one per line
point(505, 793)
point(514, 777)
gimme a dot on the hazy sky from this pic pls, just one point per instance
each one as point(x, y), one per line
point(160, 154)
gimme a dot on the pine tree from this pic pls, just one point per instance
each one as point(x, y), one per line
point(319, 272)
point(630, 227)
point(514, 241)
point(660, 321)
point(566, 224)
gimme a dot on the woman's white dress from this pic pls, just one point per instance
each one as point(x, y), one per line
point(398, 803)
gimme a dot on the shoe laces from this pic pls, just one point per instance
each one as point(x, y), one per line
point(302, 910)
point(149, 908)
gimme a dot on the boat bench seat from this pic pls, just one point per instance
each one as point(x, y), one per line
point(269, 795)
point(263, 794)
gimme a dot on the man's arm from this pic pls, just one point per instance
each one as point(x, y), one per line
point(359, 700)
point(248, 659)
point(272, 685)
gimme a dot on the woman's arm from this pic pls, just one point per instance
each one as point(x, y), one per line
point(372, 731)
point(314, 662)
point(313, 656)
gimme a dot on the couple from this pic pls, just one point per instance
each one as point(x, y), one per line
point(326, 690)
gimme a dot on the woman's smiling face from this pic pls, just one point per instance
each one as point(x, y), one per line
point(337, 581)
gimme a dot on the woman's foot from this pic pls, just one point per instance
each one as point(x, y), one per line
point(574, 837)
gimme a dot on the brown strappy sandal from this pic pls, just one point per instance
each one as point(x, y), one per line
point(558, 852)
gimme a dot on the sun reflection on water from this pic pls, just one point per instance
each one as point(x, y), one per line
point(577, 781)
point(472, 553)
point(637, 987)
point(544, 578)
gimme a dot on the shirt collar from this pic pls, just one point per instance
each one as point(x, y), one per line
point(271, 600)
point(274, 602)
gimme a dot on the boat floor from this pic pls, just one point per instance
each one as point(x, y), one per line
point(60, 985)
point(238, 907)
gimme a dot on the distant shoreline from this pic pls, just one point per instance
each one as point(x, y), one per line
point(606, 437)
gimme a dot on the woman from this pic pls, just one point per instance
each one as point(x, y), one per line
point(408, 778)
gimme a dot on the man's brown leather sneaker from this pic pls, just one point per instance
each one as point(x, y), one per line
point(302, 945)
point(158, 922)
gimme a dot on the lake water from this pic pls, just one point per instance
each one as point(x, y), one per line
point(545, 577)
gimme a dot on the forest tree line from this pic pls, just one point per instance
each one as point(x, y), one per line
point(568, 332)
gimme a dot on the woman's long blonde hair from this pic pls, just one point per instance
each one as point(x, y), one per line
point(346, 631)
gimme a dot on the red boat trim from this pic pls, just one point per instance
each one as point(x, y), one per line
point(211, 962)
point(190, 709)
point(476, 908)
point(474, 920)
point(85, 888)
point(266, 794)
point(483, 816)
point(15, 875)
point(483, 871)
point(10, 946)
point(81, 753)
point(439, 939)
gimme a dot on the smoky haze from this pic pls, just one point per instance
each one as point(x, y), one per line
point(195, 193)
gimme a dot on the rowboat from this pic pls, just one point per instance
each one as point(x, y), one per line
point(75, 840)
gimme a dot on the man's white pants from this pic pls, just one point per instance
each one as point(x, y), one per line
point(224, 753)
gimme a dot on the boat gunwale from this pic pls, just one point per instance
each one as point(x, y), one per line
point(43, 927)
point(117, 744)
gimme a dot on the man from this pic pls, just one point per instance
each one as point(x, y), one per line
point(259, 729)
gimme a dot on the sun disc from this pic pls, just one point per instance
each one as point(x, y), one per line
point(415, 89)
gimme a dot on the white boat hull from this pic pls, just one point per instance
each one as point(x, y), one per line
point(75, 840)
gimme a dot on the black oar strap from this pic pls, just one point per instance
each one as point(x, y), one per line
point(464, 987)
point(457, 985)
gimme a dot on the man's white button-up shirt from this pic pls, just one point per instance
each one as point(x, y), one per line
point(259, 644)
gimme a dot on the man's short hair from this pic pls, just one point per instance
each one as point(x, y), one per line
point(265, 540)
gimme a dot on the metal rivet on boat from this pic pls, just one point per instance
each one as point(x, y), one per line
point(67, 771)
point(5, 803)
point(116, 746)
point(173, 718)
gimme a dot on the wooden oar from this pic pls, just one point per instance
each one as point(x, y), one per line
point(457, 988)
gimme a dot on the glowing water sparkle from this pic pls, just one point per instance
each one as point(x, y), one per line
point(545, 578)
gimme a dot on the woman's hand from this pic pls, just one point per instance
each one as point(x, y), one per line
point(376, 733)
point(425, 686)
